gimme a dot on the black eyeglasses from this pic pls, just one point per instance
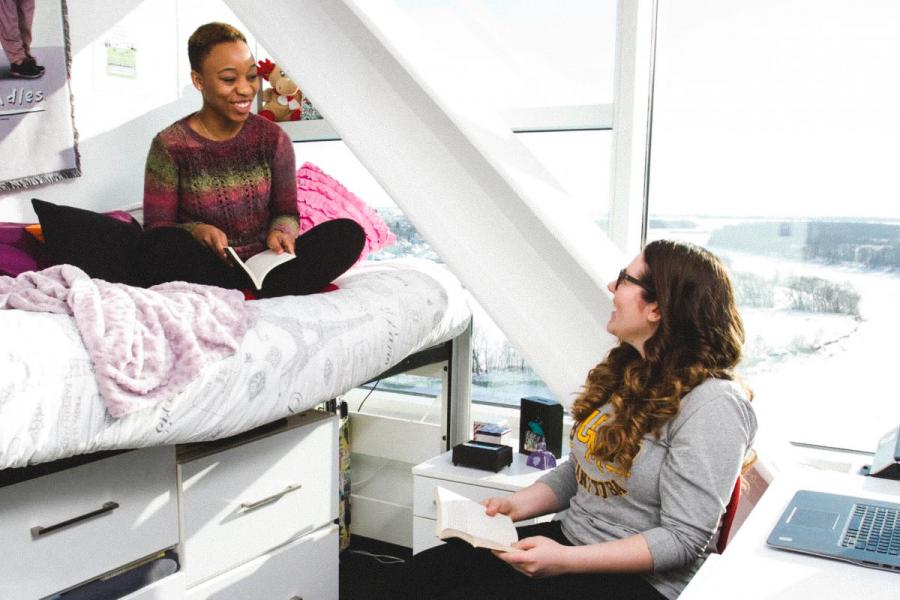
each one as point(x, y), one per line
point(624, 276)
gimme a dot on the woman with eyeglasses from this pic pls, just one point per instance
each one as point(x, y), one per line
point(662, 431)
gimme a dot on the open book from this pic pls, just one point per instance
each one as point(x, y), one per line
point(259, 265)
point(457, 516)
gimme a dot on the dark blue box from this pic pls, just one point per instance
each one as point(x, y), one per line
point(540, 420)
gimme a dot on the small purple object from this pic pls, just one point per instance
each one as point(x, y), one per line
point(541, 458)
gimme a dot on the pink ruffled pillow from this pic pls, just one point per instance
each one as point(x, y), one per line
point(320, 198)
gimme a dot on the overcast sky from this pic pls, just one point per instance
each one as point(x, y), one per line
point(786, 108)
point(777, 107)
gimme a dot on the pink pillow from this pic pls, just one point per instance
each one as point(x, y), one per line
point(19, 252)
point(320, 198)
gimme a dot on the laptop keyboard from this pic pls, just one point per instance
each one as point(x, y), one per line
point(875, 529)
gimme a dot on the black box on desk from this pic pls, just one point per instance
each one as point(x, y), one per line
point(540, 420)
point(482, 455)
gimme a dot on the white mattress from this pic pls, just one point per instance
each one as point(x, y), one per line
point(301, 351)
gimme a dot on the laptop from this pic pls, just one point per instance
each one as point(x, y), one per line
point(857, 530)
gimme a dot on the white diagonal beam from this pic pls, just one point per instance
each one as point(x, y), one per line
point(507, 231)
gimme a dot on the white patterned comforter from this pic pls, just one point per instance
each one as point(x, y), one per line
point(301, 351)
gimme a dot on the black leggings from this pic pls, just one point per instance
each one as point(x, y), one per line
point(323, 254)
point(457, 571)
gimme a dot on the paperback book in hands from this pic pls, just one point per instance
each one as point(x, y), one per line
point(459, 517)
point(258, 266)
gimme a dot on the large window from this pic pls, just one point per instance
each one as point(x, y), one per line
point(774, 143)
point(514, 53)
point(579, 160)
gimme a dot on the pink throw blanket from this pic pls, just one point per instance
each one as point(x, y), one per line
point(146, 344)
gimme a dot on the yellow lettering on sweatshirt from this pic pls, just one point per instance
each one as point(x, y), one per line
point(603, 489)
point(586, 432)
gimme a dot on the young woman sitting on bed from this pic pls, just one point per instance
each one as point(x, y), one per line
point(223, 176)
point(661, 433)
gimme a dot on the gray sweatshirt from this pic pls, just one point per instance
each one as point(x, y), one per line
point(676, 491)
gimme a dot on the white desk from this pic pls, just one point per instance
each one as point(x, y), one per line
point(750, 569)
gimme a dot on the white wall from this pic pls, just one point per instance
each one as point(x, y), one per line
point(117, 117)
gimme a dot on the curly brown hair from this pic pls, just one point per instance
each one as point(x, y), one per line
point(205, 37)
point(700, 336)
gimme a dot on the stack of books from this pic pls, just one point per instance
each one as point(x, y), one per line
point(493, 433)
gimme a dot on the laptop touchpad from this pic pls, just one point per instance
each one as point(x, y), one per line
point(815, 519)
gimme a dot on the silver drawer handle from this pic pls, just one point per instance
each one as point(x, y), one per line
point(107, 507)
point(270, 499)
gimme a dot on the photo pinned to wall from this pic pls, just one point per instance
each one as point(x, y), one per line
point(38, 138)
point(121, 59)
point(281, 99)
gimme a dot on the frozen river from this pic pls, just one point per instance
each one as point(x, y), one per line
point(844, 393)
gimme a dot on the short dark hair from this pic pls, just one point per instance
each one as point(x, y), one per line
point(206, 36)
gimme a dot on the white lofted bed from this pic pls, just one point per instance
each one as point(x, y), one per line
point(233, 473)
point(300, 352)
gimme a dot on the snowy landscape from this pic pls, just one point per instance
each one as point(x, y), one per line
point(818, 302)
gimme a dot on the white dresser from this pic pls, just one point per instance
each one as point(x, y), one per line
point(62, 529)
point(257, 516)
point(471, 483)
point(251, 517)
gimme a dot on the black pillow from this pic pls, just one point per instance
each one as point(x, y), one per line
point(99, 245)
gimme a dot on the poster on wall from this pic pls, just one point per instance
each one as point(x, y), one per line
point(38, 140)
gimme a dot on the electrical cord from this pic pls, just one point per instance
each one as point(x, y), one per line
point(374, 387)
point(385, 559)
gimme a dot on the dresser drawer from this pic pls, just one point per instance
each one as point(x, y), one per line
point(423, 494)
point(62, 529)
point(305, 569)
point(241, 502)
point(170, 588)
point(424, 536)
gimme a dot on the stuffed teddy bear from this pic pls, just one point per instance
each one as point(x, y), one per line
point(283, 101)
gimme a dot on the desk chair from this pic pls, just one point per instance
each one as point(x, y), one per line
point(728, 517)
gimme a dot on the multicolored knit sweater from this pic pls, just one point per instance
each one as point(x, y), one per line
point(245, 186)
